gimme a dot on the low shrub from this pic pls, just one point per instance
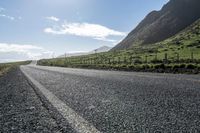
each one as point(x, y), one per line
point(160, 66)
point(137, 61)
point(176, 67)
point(168, 66)
point(191, 66)
point(146, 66)
point(132, 67)
point(156, 61)
point(182, 66)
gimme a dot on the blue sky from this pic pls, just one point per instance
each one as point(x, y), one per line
point(40, 28)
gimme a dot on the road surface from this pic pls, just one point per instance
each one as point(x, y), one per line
point(21, 110)
point(117, 102)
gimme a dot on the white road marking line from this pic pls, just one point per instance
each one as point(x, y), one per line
point(76, 121)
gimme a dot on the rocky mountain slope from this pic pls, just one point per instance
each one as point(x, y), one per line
point(157, 26)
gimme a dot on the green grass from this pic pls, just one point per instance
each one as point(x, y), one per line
point(183, 48)
point(5, 67)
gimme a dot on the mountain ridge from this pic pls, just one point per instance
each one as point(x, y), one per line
point(157, 26)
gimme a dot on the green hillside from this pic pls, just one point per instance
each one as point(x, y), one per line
point(179, 51)
point(157, 26)
point(183, 46)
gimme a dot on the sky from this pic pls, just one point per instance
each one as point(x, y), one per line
point(35, 29)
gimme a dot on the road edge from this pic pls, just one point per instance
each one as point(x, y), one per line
point(69, 116)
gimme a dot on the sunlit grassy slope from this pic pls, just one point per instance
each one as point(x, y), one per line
point(178, 51)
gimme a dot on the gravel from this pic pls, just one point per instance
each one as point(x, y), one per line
point(21, 110)
point(127, 102)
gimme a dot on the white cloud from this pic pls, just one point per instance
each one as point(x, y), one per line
point(106, 40)
point(19, 17)
point(14, 52)
point(94, 31)
point(53, 18)
point(6, 16)
point(74, 52)
point(2, 9)
point(4, 47)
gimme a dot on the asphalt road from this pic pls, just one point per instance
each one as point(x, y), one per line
point(115, 102)
point(21, 110)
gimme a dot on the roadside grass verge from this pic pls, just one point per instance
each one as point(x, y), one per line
point(5, 67)
point(189, 68)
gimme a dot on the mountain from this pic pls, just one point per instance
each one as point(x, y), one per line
point(98, 50)
point(157, 26)
point(73, 54)
point(101, 49)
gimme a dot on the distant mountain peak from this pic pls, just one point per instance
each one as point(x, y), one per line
point(98, 50)
point(102, 49)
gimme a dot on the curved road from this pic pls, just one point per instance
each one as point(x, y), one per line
point(119, 102)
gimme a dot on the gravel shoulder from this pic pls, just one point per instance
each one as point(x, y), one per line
point(21, 109)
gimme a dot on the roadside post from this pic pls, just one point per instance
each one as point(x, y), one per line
point(166, 59)
point(119, 59)
point(192, 56)
point(146, 59)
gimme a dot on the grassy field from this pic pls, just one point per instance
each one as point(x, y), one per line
point(5, 67)
point(180, 53)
